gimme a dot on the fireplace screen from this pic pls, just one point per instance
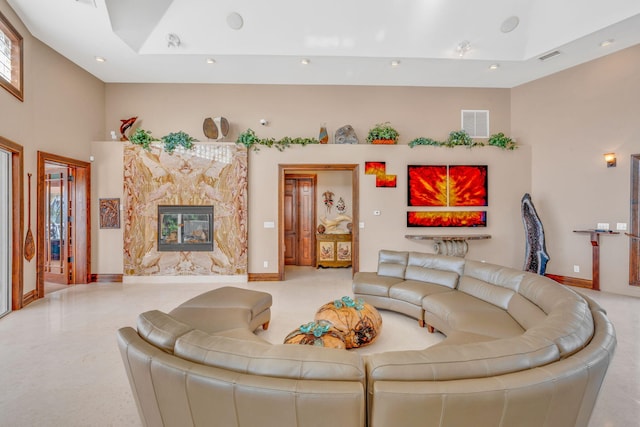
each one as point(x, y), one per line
point(185, 228)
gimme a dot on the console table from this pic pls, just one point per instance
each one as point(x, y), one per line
point(594, 236)
point(450, 245)
point(333, 250)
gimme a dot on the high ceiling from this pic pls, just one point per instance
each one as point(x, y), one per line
point(344, 42)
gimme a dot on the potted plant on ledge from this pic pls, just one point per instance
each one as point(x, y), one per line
point(382, 133)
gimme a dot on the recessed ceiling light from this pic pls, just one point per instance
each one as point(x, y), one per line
point(510, 24)
point(211, 61)
point(494, 66)
point(606, 43)
point(395, 63)
point(305, 61)
point(235, 21)
point(100, 59)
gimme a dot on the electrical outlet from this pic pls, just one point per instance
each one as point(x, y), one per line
point(266, 264)
point(576, 269)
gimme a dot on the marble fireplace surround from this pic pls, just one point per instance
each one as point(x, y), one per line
point(210, 174)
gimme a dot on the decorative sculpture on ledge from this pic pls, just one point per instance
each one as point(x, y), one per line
point(126, 124)
point(536, 256)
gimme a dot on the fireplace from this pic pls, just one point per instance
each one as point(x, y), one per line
point(185, 228)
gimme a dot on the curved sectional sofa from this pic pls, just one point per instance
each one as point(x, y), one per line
point(520, 350)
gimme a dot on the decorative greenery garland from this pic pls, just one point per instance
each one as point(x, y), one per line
point(249, 139)
point(462, 138)
point(170, 142)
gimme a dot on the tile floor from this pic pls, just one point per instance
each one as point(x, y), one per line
point(60, 365)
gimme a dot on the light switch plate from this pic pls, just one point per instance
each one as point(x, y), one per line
point(621, 226)
point(269, 224)
point(603, 226)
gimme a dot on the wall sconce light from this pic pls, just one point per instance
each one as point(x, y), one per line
point(610, 158)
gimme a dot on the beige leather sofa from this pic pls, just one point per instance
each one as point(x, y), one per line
point(520, 349)
point(202, 365)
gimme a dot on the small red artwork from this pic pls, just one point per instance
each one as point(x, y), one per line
point(447, 219)
point(379, 169)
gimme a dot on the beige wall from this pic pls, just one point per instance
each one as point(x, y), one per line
point(300, 110)
point(571, 119)
point(63, 110)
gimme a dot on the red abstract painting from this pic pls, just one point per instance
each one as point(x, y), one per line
point(468, 185)
point(375, 168)
point(447, 219)
point(386, 181)
point(427, 185)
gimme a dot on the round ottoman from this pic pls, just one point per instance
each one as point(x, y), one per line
point(359, 322)
point(320, 333)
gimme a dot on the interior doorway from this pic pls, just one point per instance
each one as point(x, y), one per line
point(63, 229)
point(13, 201)
point(299, 219)
point(290, 169)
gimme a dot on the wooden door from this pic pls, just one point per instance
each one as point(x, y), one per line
point(634, 229)
point(299, 219)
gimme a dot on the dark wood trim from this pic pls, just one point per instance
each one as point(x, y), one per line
point(572, 281)
point(83, 211)
point(17, 220)
point(17, 52)
point(634, 227)
point(263, 277)
point(284, 169)
point(29, 297)
point(106, 278)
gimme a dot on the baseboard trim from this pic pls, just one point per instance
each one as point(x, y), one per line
point(571, 281)
point(106, 278)
point(29, 297)
point(263, 277)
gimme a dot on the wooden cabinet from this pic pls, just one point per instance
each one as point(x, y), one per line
point(333, 250)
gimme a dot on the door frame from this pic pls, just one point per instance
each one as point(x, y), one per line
point(634, 226)
point(83, 243)
point(17, 221)
point(284, 169)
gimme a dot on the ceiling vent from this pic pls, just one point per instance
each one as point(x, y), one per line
point(549, 55)
point(476, 123)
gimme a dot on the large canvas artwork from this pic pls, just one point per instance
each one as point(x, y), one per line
point(427, 185)
point(435, 185)
point(447, 219)
point(468, 185)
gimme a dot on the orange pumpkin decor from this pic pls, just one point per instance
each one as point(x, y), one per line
point(359, 322)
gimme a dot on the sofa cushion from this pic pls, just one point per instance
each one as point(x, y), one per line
point(526, 313)
point(414, 291)
point(438, 269)
point(392, 263)
point(494, 274)
point(281, 361)
point(213, 319)
point(496, 295)
point(466, 313)
point(474, 360)
point(160, 329)
point(368, 283)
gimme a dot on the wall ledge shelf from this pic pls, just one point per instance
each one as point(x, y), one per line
point(452, 245)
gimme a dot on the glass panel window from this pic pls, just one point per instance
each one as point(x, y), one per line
point(10, 59)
